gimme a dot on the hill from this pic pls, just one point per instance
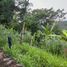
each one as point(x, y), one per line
point(62, 25)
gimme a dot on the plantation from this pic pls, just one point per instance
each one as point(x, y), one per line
point(32, 38)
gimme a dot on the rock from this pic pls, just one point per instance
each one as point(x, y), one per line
point(19, 65)
point(11, 62)
point(6, 59)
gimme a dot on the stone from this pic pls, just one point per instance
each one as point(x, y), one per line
point(6, 59)
point(19, 65)
point(11, 62)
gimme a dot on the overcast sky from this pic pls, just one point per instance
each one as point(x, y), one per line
point(56, 4)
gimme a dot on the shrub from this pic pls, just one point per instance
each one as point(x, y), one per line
point(54, 45)
point(4, 35)
point(27, 37)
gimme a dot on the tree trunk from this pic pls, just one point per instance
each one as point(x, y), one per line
point(22, 33)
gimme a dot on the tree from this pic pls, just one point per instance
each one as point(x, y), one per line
point(21, 9)
point(39, 18)
point(9, 8)
point(6, 11)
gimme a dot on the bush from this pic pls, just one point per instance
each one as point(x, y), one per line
point(27, 37)
point(54, 45)
point(4, 35)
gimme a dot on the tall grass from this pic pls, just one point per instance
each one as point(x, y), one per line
point(31, 56)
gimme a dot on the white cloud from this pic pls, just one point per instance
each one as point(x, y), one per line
point(56, 4)
point(49, 3)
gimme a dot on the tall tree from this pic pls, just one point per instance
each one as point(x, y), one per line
point(6, 11)
point(9, 8)
point(39, 18)
point(21, 9)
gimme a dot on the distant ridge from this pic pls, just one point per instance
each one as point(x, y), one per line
point(62, 25)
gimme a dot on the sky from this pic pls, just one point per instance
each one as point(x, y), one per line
point(56, 4)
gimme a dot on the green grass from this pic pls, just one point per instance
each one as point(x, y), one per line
point(31, 56)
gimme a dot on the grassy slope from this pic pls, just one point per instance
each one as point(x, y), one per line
point(34, 57)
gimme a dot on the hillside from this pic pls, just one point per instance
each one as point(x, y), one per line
point(62, 25)
point(31, 56)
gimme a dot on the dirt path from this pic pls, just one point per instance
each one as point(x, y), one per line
point(7, 62)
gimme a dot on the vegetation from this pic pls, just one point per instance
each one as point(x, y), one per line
point(37, 40)
point(34, 57)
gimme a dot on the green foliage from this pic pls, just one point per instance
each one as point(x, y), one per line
point(4, 33)
point(31, 56)
point(54, 45)
point(27, 37)
point(51, 42)
point(64, 35)
point(34, 57)
point(20, 12)
point(6, 11)
point(40, 23)
point(39, 18)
